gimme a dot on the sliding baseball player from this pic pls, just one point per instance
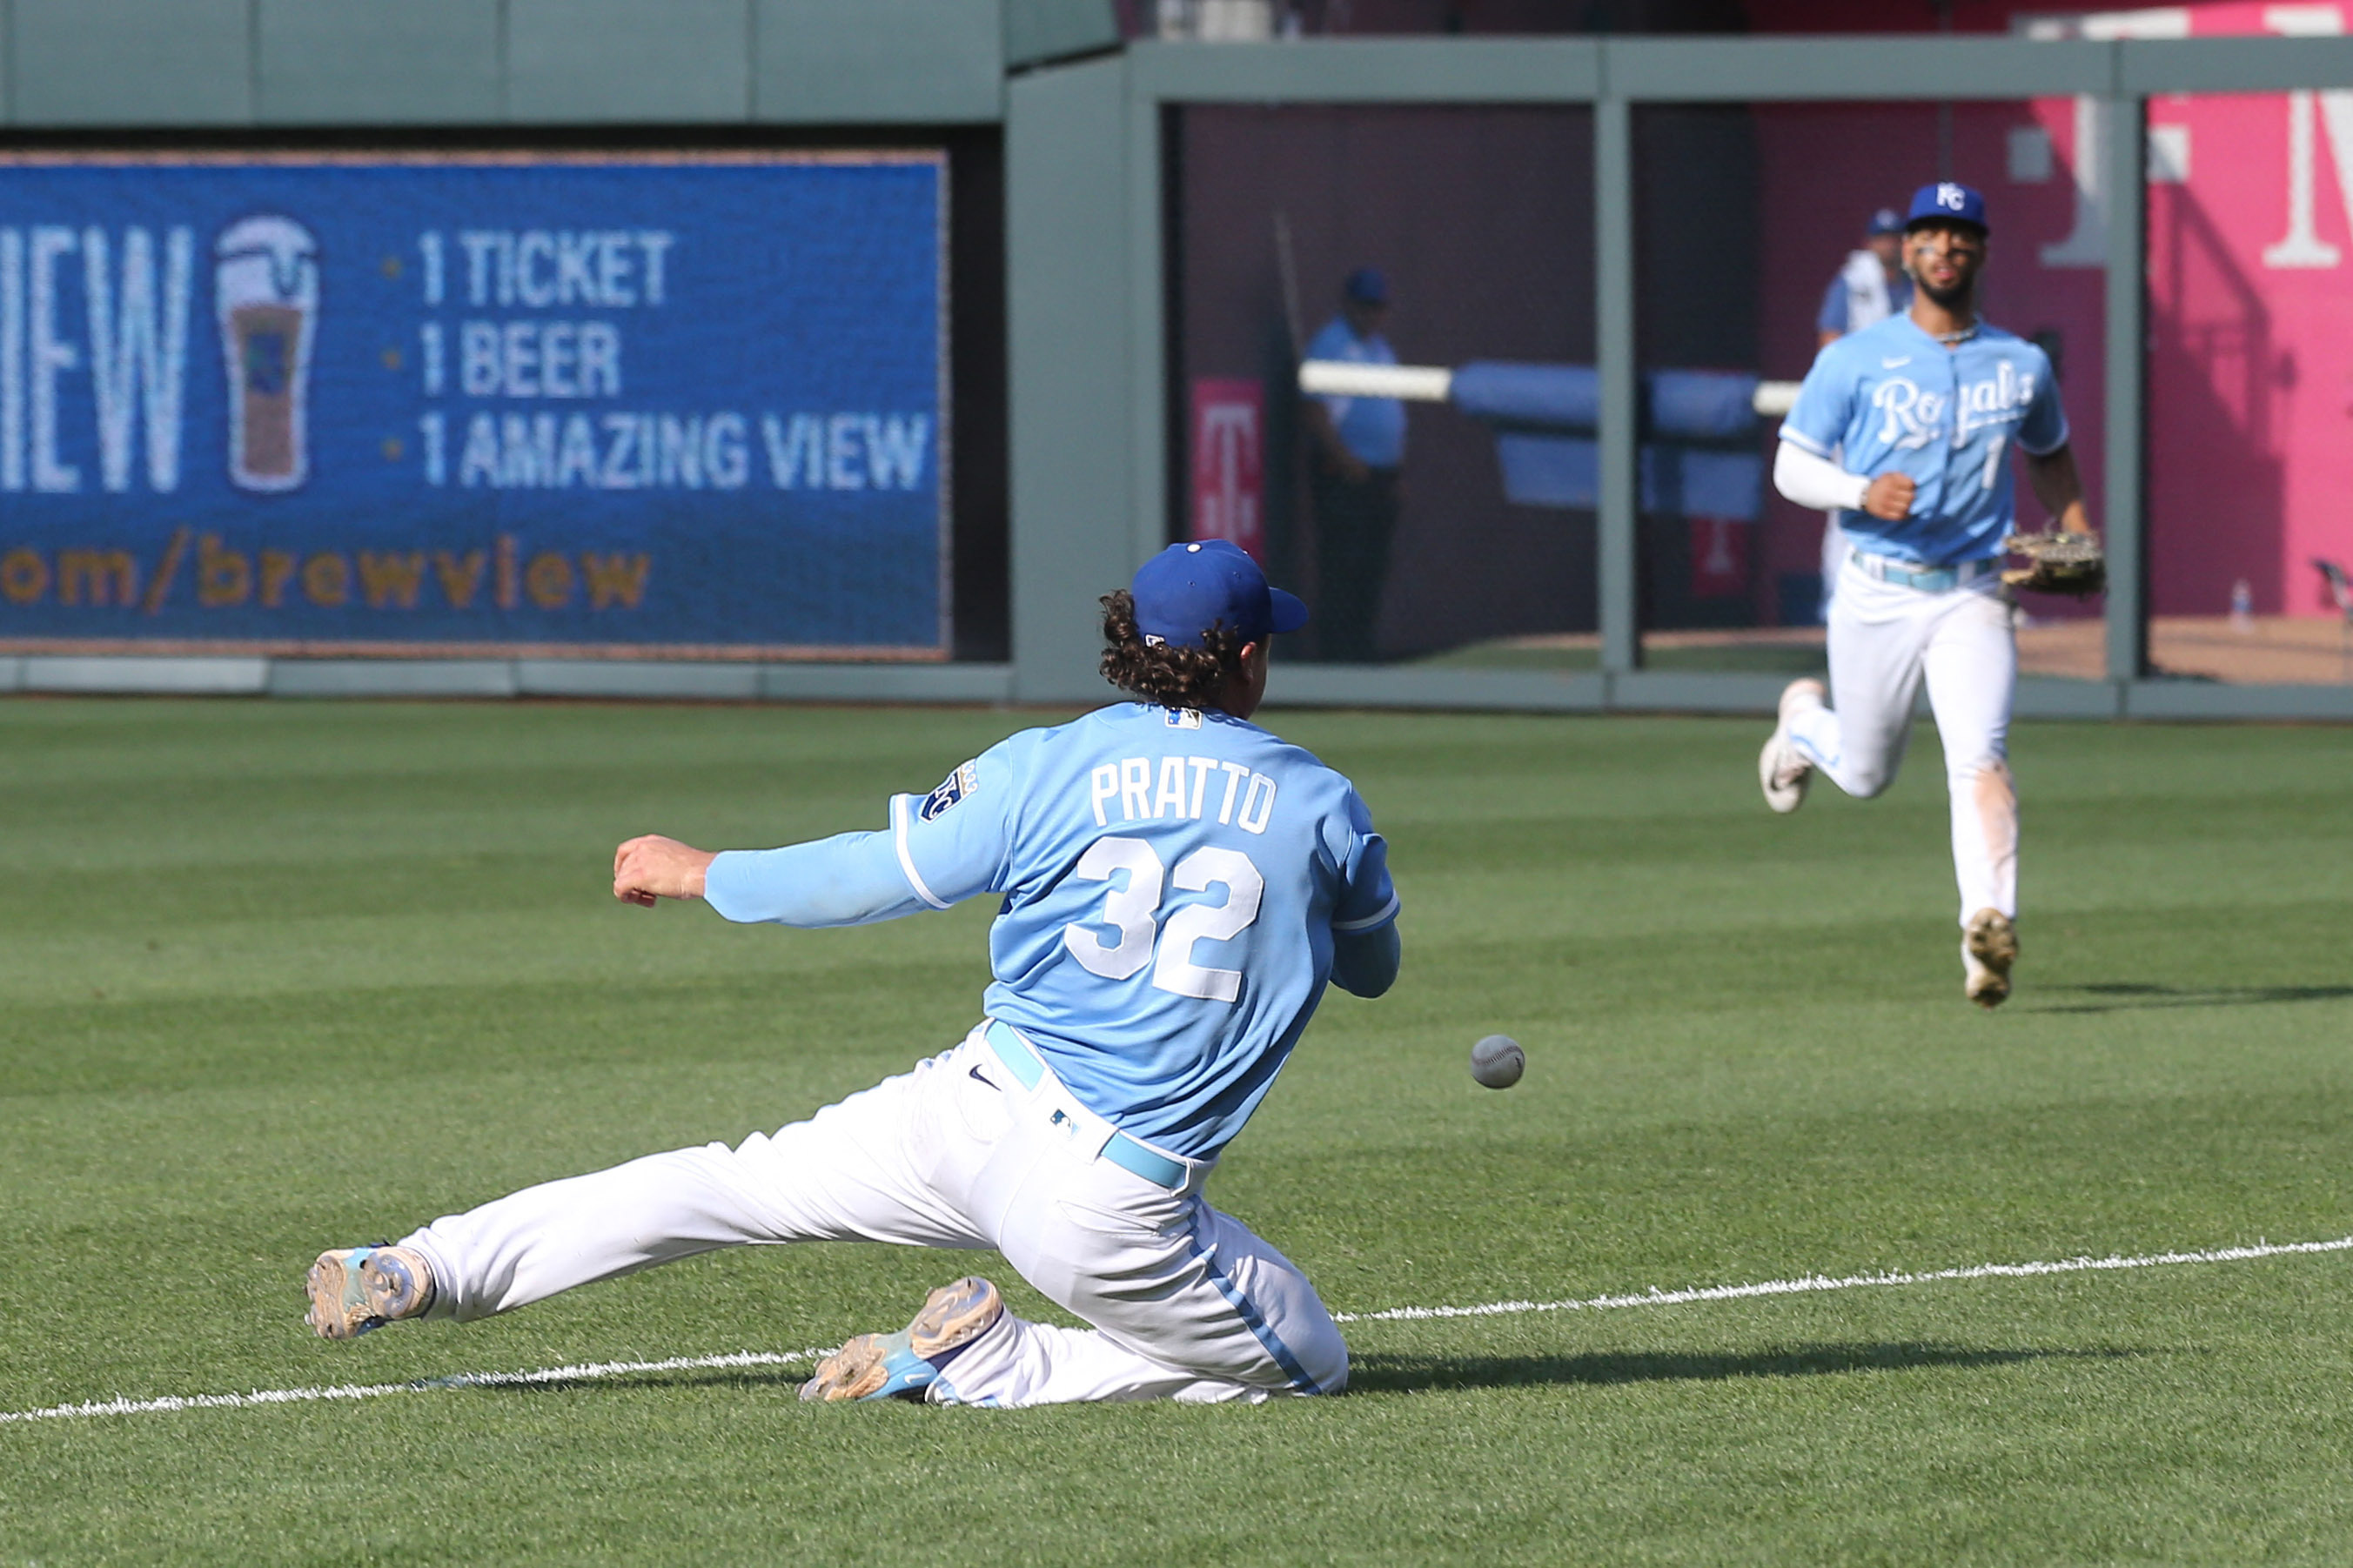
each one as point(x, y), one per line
point(1923, 411)
point(1177, 884)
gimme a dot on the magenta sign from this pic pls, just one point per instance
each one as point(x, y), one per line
point(1229, 429)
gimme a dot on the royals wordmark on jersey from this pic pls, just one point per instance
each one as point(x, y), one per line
point(1892, 398)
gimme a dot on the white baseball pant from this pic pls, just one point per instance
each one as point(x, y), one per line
point(1884, 639)
point(1186, 1302)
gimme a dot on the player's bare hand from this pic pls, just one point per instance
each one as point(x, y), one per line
point(652, 867)
point(1890, 497)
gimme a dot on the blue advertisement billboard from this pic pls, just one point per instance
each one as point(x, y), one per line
point(680, 405)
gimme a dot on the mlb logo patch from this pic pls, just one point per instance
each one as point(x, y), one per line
point(1183, 718)
point(953, 788)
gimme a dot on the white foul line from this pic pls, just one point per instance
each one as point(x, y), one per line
point(581, 1374)
point(588, 1371)
point(1812, 1282)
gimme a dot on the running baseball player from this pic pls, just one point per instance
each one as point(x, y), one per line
point(1178, 886)
point(1924, 410)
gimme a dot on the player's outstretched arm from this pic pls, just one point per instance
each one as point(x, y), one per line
point(1820, 484)
point(652, 867)
point(850, 879)
point(1364, 964)
point(2059, 487)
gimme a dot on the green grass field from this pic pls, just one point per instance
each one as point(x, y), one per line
point(276, 975)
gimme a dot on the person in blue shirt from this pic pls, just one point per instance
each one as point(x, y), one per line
point(1871, 285)
point(1908, 429)
point(1176, 887)
point(1356, 463)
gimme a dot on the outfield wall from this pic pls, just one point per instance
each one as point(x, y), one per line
point(115, 63)
point(1083, 385)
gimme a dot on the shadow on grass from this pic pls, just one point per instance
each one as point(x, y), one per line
point(1382, 1374)
point(1413, 1374)
point(2126, 998)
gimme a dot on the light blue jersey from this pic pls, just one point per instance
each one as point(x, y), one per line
point(1891, 399)
point(1172, 882)
point(1373, 429)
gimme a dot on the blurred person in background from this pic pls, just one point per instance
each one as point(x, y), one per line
point(1870, 286)
point(1359, 453)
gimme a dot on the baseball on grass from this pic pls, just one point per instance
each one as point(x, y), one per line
point(1497, 1062)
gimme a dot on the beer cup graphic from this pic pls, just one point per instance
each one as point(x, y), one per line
point(265, 295)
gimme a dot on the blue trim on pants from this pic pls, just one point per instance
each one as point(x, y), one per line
point(1255, 1322)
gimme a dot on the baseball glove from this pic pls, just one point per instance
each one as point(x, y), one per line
point(2058, 563)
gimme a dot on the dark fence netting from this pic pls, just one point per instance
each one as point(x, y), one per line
point(1453, 522)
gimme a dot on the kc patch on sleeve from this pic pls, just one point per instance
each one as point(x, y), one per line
point(953, 788)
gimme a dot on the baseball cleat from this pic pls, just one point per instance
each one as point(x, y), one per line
point(1781, 768)
point(902, 1366)
point(1987, 951)
point(355, 1289)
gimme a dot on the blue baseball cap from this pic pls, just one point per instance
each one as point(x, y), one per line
point(1367, 286)
point(1946, 202)
point(1187, 589)
point(1884, 221)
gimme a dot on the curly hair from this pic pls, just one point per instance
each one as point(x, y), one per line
point(1161, 672)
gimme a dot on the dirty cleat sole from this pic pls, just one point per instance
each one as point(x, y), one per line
point(356, 1289)
point(338, 1307)
point(956, 1315)
point(857, 1370)
point(1988, 951)
point(902, 1366)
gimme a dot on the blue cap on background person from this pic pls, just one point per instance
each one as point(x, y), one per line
point(1946, 202)
point(1884, 221)
point(1187, 589)
point(1367, 286)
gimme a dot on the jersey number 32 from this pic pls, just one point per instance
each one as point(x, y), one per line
point(1132, 911)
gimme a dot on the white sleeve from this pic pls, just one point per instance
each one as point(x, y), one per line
point(1814, 481)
